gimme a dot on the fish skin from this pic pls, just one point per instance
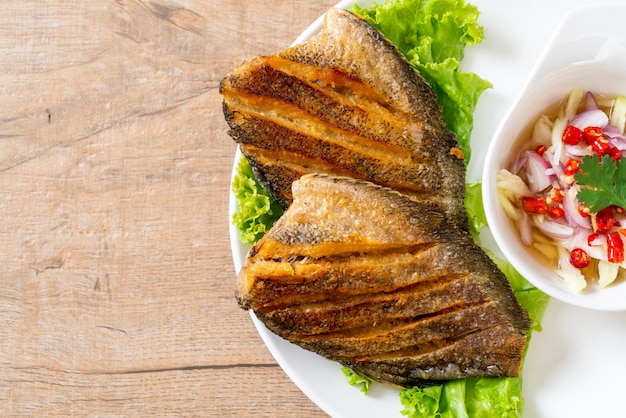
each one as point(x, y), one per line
point(347, 103)
point(365, 276)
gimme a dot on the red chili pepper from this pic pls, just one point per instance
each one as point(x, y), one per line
point(593, 133)
point(579, 258)
point(572, 135)
point(600, 147)
point(615, 251)
point(591, 238)
point(583, 210)
point(556, 195)
point(556, 212)
point(605, 220)
point(571, 167)
point(615, 154)
point(541, 149)
point(534, 204)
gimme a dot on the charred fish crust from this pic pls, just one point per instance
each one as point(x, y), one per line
point(396, 331)
point(368, 312)
point(285, 146)
point(400, 82)
point(269, 83)
point(383, 164)
point(311, 104)
point(272, 137)
point(434, 369)
point(490, 351)
point(320, 286)
point(400, 381)
point(285, 149)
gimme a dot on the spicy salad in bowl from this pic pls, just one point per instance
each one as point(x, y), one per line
point(554, 181)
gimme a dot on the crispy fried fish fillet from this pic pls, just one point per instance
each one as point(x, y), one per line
point(346, 102)
point(365, 276)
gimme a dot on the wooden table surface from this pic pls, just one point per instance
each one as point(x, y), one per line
point(117, 287)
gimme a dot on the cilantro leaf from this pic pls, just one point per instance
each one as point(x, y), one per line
point(603, 182)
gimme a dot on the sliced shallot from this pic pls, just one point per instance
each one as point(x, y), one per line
point(554, 229)
point(594, 117)
point(536, 172)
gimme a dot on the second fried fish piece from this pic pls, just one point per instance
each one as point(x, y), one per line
point(365, 276)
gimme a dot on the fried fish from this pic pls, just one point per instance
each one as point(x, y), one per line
point(367, 277)
point(347, 103)
point(371, 264)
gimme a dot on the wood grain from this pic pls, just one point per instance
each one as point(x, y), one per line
point(116, 296)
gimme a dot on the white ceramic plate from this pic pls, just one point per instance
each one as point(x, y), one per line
point(575, 367)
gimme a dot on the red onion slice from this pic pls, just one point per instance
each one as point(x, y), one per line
point(593, 117)
point(557, 169)
point(577, 150)
point(520, 163)
point(536, 172)
point(590, 101)
point(554, 229)
point(616, 139)
point(570, 206)
point(525, 228)
point(579, 240)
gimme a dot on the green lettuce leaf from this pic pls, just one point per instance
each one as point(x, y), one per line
point(433, 34)
point(257, 209)
point(421, 402)
point(495, 398)
point(453, 399)
point(356, 379)
point(465, 398)
point(475, 209)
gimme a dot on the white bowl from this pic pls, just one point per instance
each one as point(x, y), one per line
point(590, 57)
